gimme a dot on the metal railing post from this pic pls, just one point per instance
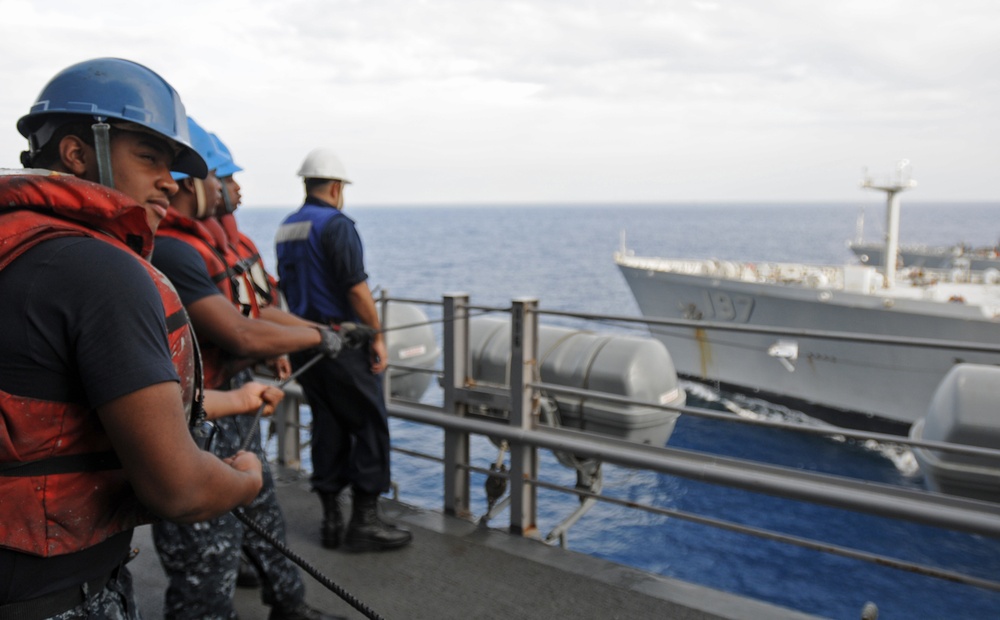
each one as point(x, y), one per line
point(288, 424)
point(523, 458)
point(383, 301)
point(456, 370)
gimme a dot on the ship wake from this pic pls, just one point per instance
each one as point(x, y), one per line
point(750, 408)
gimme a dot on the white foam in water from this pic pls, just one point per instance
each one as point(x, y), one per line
point(900, 456)
point(755, 409)
point(700, 391)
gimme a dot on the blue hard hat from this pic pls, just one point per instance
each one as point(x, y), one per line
point(202, 142)
point(113, 89)
point(229, 168)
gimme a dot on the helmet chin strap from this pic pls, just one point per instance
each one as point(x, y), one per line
point(227, 203)
point(102, 146)
point(201, 204)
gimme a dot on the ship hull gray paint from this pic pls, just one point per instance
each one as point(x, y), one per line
point(873, 380)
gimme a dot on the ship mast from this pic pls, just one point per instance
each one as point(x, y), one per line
point(892, 188)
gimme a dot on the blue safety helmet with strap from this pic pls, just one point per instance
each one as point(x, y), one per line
point(226, 170)
point(203, 143)
point(112, 89)
point(229, 168)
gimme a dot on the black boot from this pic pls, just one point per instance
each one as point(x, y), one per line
point(367, 531)
point(333, 520)
point(246, 575)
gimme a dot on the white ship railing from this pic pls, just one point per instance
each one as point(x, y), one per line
point(833, 277)
point(525, 436)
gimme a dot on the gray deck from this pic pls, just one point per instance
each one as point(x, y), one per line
point(454, 569)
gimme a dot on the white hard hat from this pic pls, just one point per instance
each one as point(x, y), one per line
point(322, 163)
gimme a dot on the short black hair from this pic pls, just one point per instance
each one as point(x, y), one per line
point(314, 184)
point(48, 155)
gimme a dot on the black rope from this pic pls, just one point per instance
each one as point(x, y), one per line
point(240, 514)
point(260, 411)
point(306, 566)
point(278, 544)
point(442, 320)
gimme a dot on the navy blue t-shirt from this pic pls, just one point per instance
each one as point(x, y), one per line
point(185, 268)
point(320, 259)
point(82, 323)
point(343, 252)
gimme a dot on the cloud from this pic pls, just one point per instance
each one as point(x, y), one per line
point(555, 100)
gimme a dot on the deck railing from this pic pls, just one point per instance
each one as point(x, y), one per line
point(524, 435)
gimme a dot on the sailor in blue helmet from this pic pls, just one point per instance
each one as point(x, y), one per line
point(265, 286)
point(322, 275)
point(98, 377)
point(202, 560)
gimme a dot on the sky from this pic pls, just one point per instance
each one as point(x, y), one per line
point(464, 102)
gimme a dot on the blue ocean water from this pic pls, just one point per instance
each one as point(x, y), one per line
point(563, 256)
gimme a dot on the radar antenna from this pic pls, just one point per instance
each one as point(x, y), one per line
point(892, 188)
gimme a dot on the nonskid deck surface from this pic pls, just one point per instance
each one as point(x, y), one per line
point(454, 569)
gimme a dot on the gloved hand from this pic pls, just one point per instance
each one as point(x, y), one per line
point(330, 342)
point(355, 335)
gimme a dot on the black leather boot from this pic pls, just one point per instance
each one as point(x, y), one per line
point(246, 575)
point(333, 520)
point(367, 531)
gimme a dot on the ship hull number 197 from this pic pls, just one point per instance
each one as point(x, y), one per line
point(720, 306)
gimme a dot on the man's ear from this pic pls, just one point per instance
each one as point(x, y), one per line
point(335, 188)
point(76, 156)
point(187, 184)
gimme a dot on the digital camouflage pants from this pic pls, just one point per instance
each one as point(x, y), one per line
point(115, 602)
point(201, 560)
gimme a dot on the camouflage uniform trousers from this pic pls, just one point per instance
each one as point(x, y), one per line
point(115, 602)
point(202, 560)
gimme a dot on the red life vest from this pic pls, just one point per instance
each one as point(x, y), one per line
point(220, 261)
point(264, 285)
point(61, 485)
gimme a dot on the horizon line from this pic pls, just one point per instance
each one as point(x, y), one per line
point(635, 203)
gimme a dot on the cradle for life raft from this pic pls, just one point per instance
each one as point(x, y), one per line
point(636, 368)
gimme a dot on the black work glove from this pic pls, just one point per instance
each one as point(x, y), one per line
point(356, 335)
point(331, 343)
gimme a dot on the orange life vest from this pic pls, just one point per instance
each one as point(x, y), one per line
point(220, 262)
point(62, 488)
point(264, 285)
